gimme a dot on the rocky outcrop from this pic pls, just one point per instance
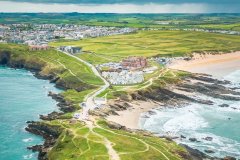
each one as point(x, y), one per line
point(212, 90)
point(114, 125)
point(52, 116)
point(64, 105)
point(48, 132)
point(229, 158)
point(196, 154)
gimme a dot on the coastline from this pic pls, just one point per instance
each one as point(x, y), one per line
point(217, 65)
point(130, 117)
point(51, 133)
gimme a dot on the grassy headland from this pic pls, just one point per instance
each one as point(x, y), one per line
point(77, 140)
point(68, 73)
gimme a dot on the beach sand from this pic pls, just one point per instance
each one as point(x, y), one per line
point(216, 65)
point(130, 117)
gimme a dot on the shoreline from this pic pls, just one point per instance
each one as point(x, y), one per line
point(217, 65)
point(206, 64)
point(130, 118)
point(47, 133)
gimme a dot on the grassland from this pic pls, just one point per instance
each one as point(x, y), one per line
point(81, 142)
point(153, 43)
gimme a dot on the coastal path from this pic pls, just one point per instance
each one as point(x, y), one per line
point(90, 103)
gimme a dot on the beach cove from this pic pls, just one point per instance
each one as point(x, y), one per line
point(23, 97)
point(195, 121)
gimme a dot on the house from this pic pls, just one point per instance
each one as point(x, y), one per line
point(134, 63)
point(70, 49)
point(38, 47)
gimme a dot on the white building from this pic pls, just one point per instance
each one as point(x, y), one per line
point(124, 77)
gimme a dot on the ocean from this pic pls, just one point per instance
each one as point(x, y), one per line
point(201, 121)
point(22, 98)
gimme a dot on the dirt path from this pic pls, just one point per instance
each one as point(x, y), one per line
point(146, 144)
point(112, 153)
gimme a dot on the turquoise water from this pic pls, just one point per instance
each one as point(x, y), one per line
point(200, 121)
point(22, 98)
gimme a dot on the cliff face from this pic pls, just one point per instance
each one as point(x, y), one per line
point(4, 57)
point(41, 69)
point(48, 132)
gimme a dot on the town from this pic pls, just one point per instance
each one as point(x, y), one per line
point(42, 34)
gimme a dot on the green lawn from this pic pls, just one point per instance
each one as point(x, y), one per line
point(153, 43)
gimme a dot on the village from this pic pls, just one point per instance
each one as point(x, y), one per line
point(129, 71)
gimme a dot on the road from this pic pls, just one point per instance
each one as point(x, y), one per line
point(90, 104)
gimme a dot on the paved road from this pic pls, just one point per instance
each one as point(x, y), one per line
point(90, 104)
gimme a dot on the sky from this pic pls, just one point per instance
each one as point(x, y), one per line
point(121, 6)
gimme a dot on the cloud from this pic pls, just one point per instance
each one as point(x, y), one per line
point(132, 1)
point(133, 6)
point(102, 8)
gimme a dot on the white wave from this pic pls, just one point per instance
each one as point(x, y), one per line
point(200, 121)
point(176, 120)
point(188, 121)
point(221, 145)
point(27, 140)
point(233, 77)
point(30, 156)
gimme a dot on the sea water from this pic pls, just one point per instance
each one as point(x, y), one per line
point(22, 98)
point(201, 121)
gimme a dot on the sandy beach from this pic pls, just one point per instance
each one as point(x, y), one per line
point(216, 65)
point(130, 117)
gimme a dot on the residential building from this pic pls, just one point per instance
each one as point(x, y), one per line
point(134, 63)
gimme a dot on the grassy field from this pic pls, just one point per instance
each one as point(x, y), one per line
point(153, 43)
point(79, 142)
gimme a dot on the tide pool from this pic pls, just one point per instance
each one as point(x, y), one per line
point(22, 98)
point(201, 121)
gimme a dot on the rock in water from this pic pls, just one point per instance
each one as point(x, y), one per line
point(224, 105)
point(193, 139)
point(209, 151)
point(229, 158)
point(208, 138)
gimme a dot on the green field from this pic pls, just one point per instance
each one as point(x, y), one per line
point(208, 21)
point(79, 142)
point(153, 43)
